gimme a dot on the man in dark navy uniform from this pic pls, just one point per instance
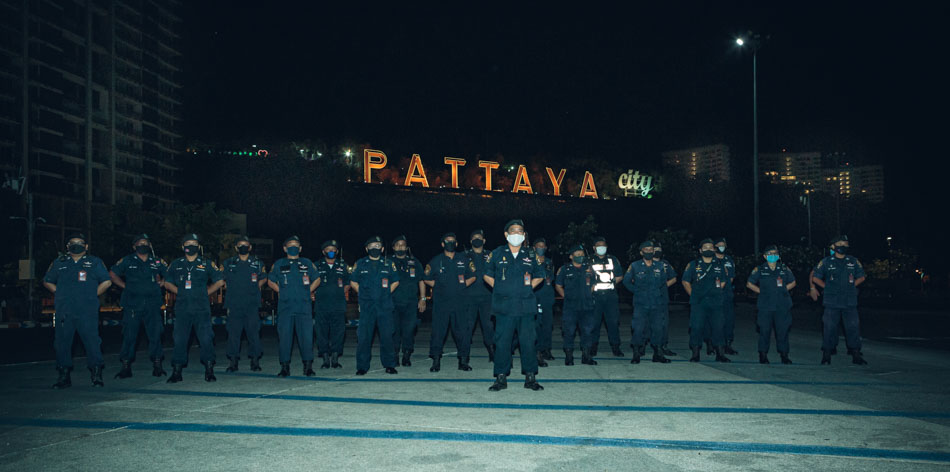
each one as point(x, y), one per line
point(408, 299)
point(608, 273)
point(545, 295)
point(704, 280)
point(649, 280)
point(840, 275)
point(329, 324)
point(449, 274)
point(477, 295)
point(294, 278)
point(244, 275)
point(728, 296)
point(772, 281)
point(375, 278)
point(575, 283)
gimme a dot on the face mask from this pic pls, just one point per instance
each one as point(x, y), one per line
point(143, 249)
point(450, 246)
point(477, 243)
point(831, 252)
point(658, 254)
point(601, 250)
point(515, 239)
point(77, 248)
point(375, 252)
point(578, 259)
point(721, 248)
point(400, 252)
point(244, 250)
point(540, 251)
point(293, 250)
point(708, 253)
point(331, 254)
point(841, 250)
point(191, 249)
point(648, 255)
point(771, 258)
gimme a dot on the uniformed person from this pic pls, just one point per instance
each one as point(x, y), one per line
point(294, 278)
point(575, 283)
point(193, 278)
point(477, 295)
point(449, 274)
point(244, 275)
point(408, 299)
point(333, 284)
point(840, 275)
point(608, 273)
point(375, 278)
point(772, 281)
point(76, 280)
point(728, 296)
point(140, 276)
point(649, 280)
point(513, 272)
point(658, 257)
point(545, 295)
point(704, 281)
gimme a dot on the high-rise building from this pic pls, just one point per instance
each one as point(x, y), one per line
point(855, 181)
point(792, 168)
point(91, 104)
point(707, 162)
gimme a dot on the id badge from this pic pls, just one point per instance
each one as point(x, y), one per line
point(461, 279)
point(778, 282)
point(306, 279)
point(339, 283)
point(588, 281)
point(385, 283)
point(254, 278)
point(188, 285)
point(527, 278)
point(82, 276)
point(412, 272)
point(718, 283)
point(851, 279)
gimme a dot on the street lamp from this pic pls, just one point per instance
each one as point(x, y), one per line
point(348, 153)
point(754, 42)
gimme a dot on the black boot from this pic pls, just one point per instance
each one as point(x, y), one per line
point(335, 361)
point(463, 364)
point(157, 370)
point(643, 350)
point(709, 348)
point(436, 364)
point(568, 357)
point(729, 350)
point(255, 364)
point(63, 381)
point(406, 362)
point(825, 357)
point(667, 351)
point(720, 357)
point(126, 370)
point(587, 358)
point(636, 355)
point(616, 350)
point(233, 365)
point(391, 370)
point(209, 372)
point(696, 351)
point(658, 356)
point(785, 359)
point(176, 374)
point(501, 383)
point(857, 358)
point(763, 358)
point(532, 383)
point(491, 353)
point(548, 355)
point(284, 369)
point(541, 361)
point(95, 373)
point(308, 369)
point(326, 361)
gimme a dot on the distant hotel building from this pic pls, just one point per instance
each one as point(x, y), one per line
point(807, 169)
point(708, 162)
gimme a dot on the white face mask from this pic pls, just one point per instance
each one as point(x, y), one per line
point(601, 250)
point(515, 239)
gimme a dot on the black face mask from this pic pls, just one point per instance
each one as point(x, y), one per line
point(477, 243)
point(648, 255)
point(143, 249)
point(450, 246)
point(191, 250)
point(841, 250)
point(709, 253)
point(375, 252)
point(658, 254)
point(244, 250)
point(77, 248)
point(400, 252)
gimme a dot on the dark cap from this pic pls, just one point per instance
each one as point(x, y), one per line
point(657, 244)
point(190, 237)
point(706, 241)
point(477, 232)
point(242, 239)
point(374, 239)
point(600, 239)
point(140, 237)
point(721, 240)
point(579, 247)
point(76, 236)
point(513, 223)
point(292, 238)
point(839, 238)
point(329, 243)
point(646, 244)
point(540, 240)
point(448, 235)
point(770, 247)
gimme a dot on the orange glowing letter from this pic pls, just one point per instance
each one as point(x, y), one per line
point(372, 160)
point(521, 181)
point(556, 183)
point(488, 166)
point(588, 189)
point(411, 176)
point(455, 163)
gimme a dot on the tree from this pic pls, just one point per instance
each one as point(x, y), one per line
point(575, 234)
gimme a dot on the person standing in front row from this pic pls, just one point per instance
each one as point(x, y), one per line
point(375, 278)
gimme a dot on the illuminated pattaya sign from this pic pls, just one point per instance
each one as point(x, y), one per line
point(631, 183)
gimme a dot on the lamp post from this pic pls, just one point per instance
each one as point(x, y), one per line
point(754, 41)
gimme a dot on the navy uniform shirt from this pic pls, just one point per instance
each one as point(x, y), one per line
point(330, 295)
point(192, 279)
point(578, 283)
point(141, 280)
point(77, 283)
point(606, 270)
point(648, 283)
point(410, 273)
point(449, 275)
point(293, 277)
point(707, 280)
point(773, 294)
point(513, 294)
point(839, 276)
point(375, 279)
point(545, 292)
point(242, 278)
point(728, 291)
point(478, 290)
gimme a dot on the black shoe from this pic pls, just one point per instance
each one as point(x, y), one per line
point(491, 353)
point(643, 350)
point(436, 364)
point(284, 369)
point(763, 358)
point(709, 349)
point(617, 352)
point(125, 372)
point(532, 383)
point(391, 370)
point(587, 358)
point(636, 355)
point(785, 359)
point(361, 372)
point(233, 365)
point(501, 383)
point(463, 364)
point(255, 364)
point(658, 356)
point(548, 355)
point(335, 361)
point(63, 381)
point(825, 357)
point(720, 357)
point(176, 374)
point(667, 351)
point(541, 361)
point(568, 357)
point(308, 369)
point(157, 370)
point(96, 376)
point(858, 359)
point(406, 362)
point(834, 350)
point(209, 372)
point(326, 361)
point(729, 350)
point(696, 351)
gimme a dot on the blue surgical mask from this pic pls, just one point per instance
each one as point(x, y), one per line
point(331, 254)
point(772, 258)
point(293, 250)
point(831, 252)
point(539, 250)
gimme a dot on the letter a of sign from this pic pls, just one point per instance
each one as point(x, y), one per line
point(372, 159)
point(522, 184)
point(411, 176)
point(588, 189)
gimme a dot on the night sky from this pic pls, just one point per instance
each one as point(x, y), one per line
point(622, 84)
